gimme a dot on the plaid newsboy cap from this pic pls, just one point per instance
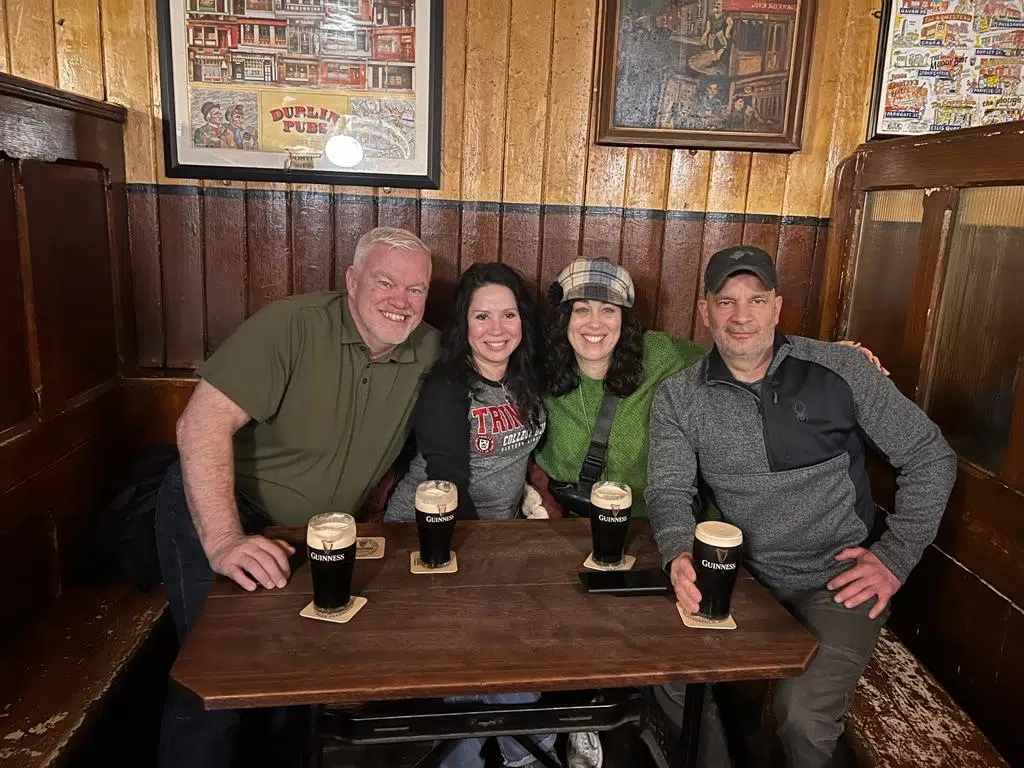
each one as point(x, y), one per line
point(598, 280)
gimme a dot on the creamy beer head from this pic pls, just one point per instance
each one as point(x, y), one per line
point(437, 497)
point(613, 496)
point(718, 534)
point(332, 530)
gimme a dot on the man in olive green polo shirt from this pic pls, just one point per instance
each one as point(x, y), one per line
point(301, 411)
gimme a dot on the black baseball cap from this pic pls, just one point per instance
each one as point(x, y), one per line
point(739, 258)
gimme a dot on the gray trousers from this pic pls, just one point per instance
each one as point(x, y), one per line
point(809, 710)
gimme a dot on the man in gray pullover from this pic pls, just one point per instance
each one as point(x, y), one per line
point(778, 428)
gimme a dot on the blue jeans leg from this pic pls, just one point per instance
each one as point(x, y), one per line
point(467, 753)
point(190, 736)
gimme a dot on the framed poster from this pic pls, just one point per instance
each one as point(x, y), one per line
point(310, 91)
point(947, 64)
point(722, 74)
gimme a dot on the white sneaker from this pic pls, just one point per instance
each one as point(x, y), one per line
point(584, 750)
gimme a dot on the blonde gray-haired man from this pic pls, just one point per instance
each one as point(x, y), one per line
point(302, 409)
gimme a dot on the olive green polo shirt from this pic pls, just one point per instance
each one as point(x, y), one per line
point(327, 421)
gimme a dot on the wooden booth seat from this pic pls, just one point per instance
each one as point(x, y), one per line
point(58, 671)
point(901, 717)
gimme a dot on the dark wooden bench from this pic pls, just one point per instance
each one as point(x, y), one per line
point(57, 674)
point(901, 716)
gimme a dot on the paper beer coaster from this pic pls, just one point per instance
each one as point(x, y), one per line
point(369, 547)
point(416, 565)
point(699, 622)
point(339, 617)
point(627, 563)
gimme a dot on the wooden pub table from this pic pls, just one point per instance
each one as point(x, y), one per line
point(513, 618)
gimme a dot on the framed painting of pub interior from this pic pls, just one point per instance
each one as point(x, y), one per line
point(718, 74)
point(309, 91)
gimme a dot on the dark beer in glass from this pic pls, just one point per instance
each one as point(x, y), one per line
point(331, 545)
point(717, 553)
point(436, 504)
point(611, 505)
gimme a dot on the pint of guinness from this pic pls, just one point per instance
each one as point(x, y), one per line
point(611, 506)
point(717, 552)
point(331, 545)
point(436, 504)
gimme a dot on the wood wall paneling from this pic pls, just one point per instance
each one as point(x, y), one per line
point(79, 47)
point(17, 403)
point(312, 239)
point(127, 80)
point(225, 247)
point(179, 219)
point(71, 274)
point(30, 40)
point(269, 256)
point(146, 277)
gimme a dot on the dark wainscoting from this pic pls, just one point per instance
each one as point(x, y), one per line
point(205, 258)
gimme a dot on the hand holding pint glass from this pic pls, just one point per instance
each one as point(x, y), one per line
point(611, 505)
point(331, 542)
point(717, 552)
point(436, 504)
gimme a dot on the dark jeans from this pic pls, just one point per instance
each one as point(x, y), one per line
point(190, 736)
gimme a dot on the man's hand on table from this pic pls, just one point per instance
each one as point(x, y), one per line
point(868, 578)
point(248, 560)
point(684, 581)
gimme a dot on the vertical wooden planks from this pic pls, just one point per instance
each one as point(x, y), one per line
point(764, 200)
point(529, 68)
point(354, 216)
point(684, 235)
point(312, 231)
point(399, 208)
point(440, 229)
point(807, 168)
point(487, 35)
point(852, 105)
point(267, 232)
point(568, 119)
point(452, 109)
point(224, 262)
point(79, 47)
point(30, 40)
point(605, 197)
point(147, 281)
point(643, 228)
point(5, 58)
point(793, 265)
point(182, 248)
point(127, 81)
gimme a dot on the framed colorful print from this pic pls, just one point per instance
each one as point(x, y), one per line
point(719, 74)
point(310, 91)
point(947, 64)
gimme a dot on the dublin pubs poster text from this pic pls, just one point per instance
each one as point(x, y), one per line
point(948, 64)
point(311, 91)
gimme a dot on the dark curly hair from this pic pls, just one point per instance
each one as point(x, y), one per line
point(561, 369)
point(522, 379)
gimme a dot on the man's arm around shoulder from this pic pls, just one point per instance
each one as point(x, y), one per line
point(914, 445)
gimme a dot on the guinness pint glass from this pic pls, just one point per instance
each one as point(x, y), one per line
point(436, 504)
point(717, 552)
point(331, 544)
point(611, 505)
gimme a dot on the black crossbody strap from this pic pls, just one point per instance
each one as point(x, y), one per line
point(593, 462)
